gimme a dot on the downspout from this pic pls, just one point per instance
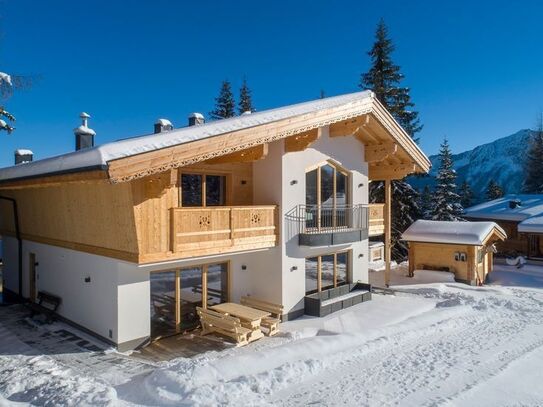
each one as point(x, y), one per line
point(19, 241)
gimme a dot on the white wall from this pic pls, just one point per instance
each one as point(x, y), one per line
point(116, 298)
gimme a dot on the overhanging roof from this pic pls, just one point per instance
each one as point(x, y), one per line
point(141, 156)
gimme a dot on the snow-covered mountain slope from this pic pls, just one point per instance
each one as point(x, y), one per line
point(500, 160)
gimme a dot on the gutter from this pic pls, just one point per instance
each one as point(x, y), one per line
point(19, 241)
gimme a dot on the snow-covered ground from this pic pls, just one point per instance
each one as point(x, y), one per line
point(438, 343)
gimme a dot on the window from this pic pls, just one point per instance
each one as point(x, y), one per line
point(175, 294)
point(203, 190)
point(328, 271)
point(326, 196)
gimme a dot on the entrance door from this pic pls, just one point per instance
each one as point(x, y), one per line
point(32, 276)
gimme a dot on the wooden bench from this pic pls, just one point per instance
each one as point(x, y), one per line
point(226, 325)
point(47, 304)
point(270, 323)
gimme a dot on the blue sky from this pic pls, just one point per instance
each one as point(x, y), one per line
point(475, 68)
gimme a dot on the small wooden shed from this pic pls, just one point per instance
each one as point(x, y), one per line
point(463, 248)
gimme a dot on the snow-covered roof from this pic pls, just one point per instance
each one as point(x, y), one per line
point(23, 151)
point(470, 233)
point(99, 156)
point(532, 225)
point(500, 209)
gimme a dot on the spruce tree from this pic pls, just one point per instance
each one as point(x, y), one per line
point(384, 78)
point(533, 165)
point(245, 99)
point(466, 195)
point(426, 202)
point(224, 103)
point(446, 202)
point(493, 190)
point(6, 88)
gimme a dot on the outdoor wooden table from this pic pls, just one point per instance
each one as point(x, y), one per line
point(249, 317)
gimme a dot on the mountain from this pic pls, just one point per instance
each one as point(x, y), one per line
point(500, 160)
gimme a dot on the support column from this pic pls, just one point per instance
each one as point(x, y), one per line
point(388, 229)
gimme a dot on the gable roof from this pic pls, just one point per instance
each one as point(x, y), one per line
point(181, 146)
point(469, 233)
point(530, 205)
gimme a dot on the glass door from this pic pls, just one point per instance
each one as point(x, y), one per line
point(201, 190)
point(163, 304)
point(190, 296)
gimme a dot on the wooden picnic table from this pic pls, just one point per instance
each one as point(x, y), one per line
point(249, 317)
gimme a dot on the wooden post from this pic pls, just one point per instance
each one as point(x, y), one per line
point(388, 229)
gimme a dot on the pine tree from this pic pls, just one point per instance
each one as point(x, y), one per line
point(446, 202)
point(426, 203)
point(384, 79)
point(245, 99)
point(466, 195)
point(533, 166)
point(6, 88)
point(224, 103)
point(402, 215)
point(493, 190)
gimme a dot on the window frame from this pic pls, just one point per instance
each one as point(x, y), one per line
point(319, 257)
point(204, 174)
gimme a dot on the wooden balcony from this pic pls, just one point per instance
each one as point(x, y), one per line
point(222, 229)
point(376, 219)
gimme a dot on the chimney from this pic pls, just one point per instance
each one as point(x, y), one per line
point(84, 136)
point(514, 203)
point(162, 125)
point(195, 119)
point(23, 156)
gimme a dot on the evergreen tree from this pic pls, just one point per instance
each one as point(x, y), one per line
point(493, 190)
point(446, 202)
point(402, 215)
point(533, 166)
point(466, 195)
point(384, 78)
point(426, 203)
point(245, 99)
point(6, 88)
point(224, 103)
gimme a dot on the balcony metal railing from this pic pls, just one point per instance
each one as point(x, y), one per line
point(312, 219)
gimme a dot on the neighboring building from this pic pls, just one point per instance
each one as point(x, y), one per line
point(463, 248)
point(521, 216)
point(134, 234)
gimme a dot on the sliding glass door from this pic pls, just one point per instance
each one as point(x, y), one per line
point(176, 294)
point(328, 271)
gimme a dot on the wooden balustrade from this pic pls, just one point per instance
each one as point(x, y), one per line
point(377, 219)
point(222, 229)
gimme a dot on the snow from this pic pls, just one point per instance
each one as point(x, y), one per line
point(431, 343)
point(471, 233)
point(22, 151)
point(532, 225)
point(530, 205)
point(101, 155)
point(84, 130)
point(5, 78)
point(197, 115)
point(164, 122)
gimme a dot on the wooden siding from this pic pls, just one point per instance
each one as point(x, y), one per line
point(515, 242)
point(436, 256)
point(94, 217)
point(376, 219)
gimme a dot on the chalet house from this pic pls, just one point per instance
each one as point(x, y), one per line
point(133, 235)
point(521, 216)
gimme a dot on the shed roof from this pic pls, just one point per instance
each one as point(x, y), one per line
point(469, 233)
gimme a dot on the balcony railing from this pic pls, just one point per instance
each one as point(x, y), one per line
point(221, 229)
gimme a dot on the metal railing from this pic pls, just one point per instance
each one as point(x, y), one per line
point(325, 219)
